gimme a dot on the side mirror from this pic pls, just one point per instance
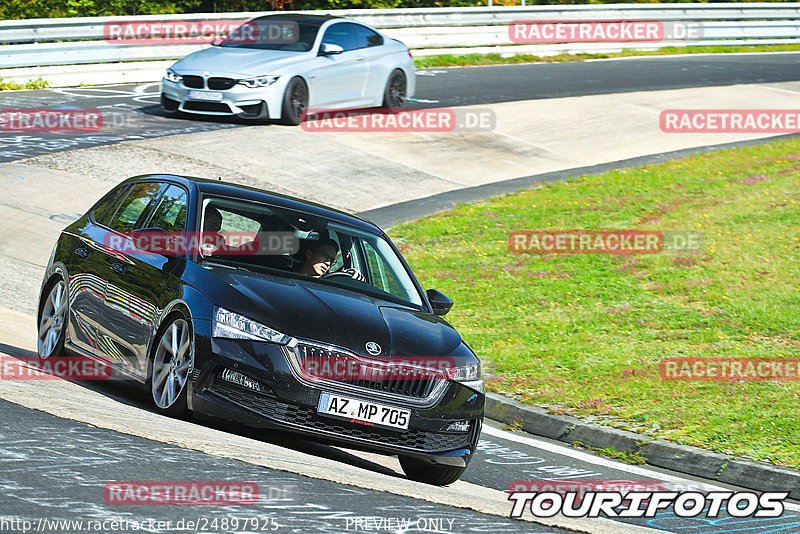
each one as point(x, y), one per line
point(330, 49)
point(439, 302)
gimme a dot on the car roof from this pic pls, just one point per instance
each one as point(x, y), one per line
point(222, 188)
point(319, 20)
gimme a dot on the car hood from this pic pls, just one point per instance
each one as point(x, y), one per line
point(222, 61)
point(327, 314)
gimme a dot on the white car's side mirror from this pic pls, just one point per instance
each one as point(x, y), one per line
point(329, 49)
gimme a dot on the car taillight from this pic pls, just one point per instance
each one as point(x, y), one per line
point(409, 54)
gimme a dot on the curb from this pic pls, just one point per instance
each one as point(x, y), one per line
point(694, 461)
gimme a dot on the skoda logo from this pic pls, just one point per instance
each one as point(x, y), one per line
point(373, 348)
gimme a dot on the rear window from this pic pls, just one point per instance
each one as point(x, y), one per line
point(104, 209)
point(133, 207)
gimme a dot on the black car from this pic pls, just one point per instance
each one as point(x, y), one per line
point(281, 314)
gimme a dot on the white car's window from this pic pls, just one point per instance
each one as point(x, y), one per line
point(341, 34)
point(296, 35)
point(365, 37)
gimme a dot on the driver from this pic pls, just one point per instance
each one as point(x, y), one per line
point(211, 238)
point(320, 256)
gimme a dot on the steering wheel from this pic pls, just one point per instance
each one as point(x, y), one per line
point(350, 272)
point(336, 274)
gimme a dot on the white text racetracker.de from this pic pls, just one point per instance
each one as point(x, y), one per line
point(629, 504)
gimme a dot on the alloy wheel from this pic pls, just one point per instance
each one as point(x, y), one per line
point(397, 91)
point(172, 364)
point(52, 320)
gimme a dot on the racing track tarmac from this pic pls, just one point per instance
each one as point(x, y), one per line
point(549, 117)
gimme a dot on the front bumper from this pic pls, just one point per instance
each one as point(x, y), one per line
point(239, 101)
point(289, 404)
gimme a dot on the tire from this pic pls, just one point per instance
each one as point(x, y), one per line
point(394, 96)
point(52, 319)
point(437, 475)
point(171, 366)
point(295, 102)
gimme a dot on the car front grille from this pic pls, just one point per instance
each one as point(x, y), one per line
point(193, 82)
point(221, 83)
point(195, 105)
point(271, 408)
point(386, 376)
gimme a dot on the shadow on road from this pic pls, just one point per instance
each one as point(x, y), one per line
point(130, 393)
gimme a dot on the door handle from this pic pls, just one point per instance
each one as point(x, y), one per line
point(82, 252)
point(360, 58)
point(118, 268)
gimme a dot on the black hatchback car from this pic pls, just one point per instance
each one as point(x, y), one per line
point(250, 306)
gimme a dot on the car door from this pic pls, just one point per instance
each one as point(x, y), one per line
point(339, 78)
point(140, 282)
point(87, 276)
point(370, 45)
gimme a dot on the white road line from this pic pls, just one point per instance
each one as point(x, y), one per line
point(605, 462)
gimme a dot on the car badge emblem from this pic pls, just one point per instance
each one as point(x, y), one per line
point(373, 348)
point(206, 74)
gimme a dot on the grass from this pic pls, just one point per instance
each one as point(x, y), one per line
point(514, 426)
point(456, 60)
point(633, 458)
point(30, 84)
point(583, 334)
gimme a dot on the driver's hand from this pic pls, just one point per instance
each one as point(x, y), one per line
point(355, 274)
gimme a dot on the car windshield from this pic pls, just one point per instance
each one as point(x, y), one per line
point(291, 243)
point(274, 33)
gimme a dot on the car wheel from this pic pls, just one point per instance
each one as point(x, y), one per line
point(295, 102)
point(173, 361)
point(394, 96)
point(438, 475)
point(52, 320)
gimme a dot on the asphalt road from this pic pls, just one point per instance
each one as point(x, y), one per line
point(131, 111)
point(55, 469)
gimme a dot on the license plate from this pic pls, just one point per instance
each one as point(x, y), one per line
point(205, 95)
point(360, 411)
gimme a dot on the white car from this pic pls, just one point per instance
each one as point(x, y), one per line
point(276, 67)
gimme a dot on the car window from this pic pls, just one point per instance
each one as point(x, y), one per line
point(107, 205)
point(233, 222)
point(341, 34)
point(260, 34)
point(381, 274)
point(366, 37)
point(365, 262)
point(170, 213)
point(133, 207)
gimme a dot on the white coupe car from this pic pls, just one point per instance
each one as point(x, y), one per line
point(275, 67)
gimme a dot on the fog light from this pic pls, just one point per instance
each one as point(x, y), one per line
point(240, 380)
point(458, 426)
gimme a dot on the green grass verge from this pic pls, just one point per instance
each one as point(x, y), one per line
point(583, 334)
point(454, 60)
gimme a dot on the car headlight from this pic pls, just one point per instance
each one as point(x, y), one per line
point(261, 81)
point(172, 76)
point(234, 326)
point(468, 375)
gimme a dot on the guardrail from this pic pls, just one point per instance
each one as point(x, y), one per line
point(427, 31)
